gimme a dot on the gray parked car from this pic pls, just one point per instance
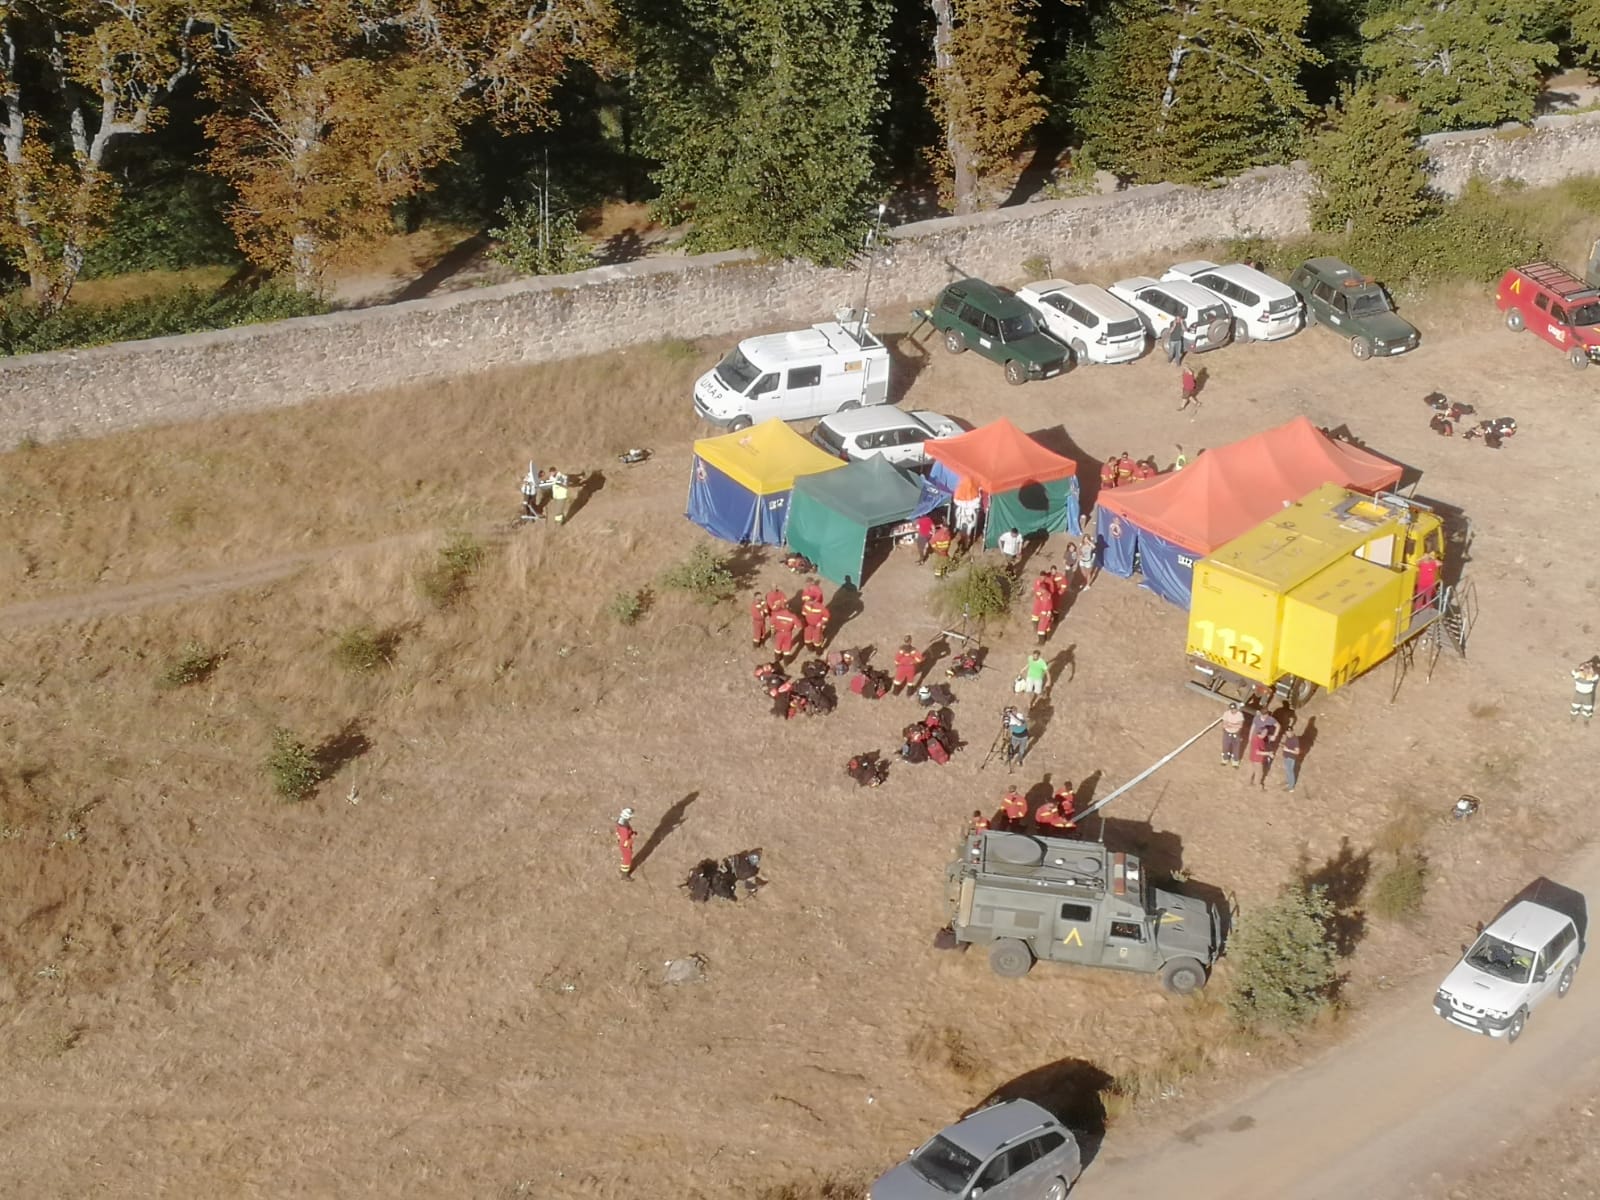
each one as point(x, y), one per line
point(1013, 1150)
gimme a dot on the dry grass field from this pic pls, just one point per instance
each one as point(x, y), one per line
point(427, 980)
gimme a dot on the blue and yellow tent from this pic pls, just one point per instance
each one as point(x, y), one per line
point(740, 487)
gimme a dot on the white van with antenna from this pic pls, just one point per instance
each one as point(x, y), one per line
point(804, 373)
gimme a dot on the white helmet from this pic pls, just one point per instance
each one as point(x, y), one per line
point(625, 815)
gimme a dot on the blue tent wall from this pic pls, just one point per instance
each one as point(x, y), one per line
point(726, 509)
point(1168, 568)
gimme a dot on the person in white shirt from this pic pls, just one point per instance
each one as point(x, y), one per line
point(1010, 543)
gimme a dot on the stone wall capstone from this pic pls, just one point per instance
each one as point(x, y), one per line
point(90, 392)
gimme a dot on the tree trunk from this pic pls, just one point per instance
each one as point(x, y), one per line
point(305, 257)
point(964, 180)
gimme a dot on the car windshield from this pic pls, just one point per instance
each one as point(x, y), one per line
point(944, 1164)
point(1501, 959)
point(1123, 328)
point(1014, 329)
point(1587, 314)
point(1284, 304)
point(1370, 303)
point(736, 371)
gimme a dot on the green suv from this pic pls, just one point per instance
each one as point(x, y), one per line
point(1355, 307)
point(973, 315)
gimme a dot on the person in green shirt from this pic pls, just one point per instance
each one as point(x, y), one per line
point(1035, 676)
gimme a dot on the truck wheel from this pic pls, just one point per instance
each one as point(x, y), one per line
point(1300, 693)
point(1241, 332)
point(1579, 357)
point(1010, 958)
point(1361, 347)
point(850, 406)
point(1514, 321)
point(738, 423)
point(1182, 976)
point(1016, 373)
point(954, 342)
point(1517, 1024)
point(1057, 1190)
point(1080, 352)
point(1565, 985)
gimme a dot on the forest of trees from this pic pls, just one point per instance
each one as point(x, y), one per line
point(290, 135)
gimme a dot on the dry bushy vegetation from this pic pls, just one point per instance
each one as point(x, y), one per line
point(411, 980)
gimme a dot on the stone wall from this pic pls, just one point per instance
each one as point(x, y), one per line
point(89, 392)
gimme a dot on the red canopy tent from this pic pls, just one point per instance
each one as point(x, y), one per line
point(1171, 520)
point(1025, 485)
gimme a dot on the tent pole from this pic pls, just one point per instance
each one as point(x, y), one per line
point(1148, 771)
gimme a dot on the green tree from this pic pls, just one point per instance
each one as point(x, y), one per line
point(1368, 164)
point(982, 93)
point(1285, 960)
point(330, 113)
point(1464, 63)
point(77, 76)
point(1584, 32)
point(1193, 89)
point(761, 114)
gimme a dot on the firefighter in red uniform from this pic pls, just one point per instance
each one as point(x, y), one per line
point(907, 660)
point(758, 620)
point(978, 823)
point(939, 544)
point(777, 599)
point(1044, 606)
point(1014, 807)
point(1108, 473)
point(817, 617)
point(1062, 580)
point(811, 594)
point(785, 631)
point(625, 841)
point(1144, 470)
point(1056, 812)
point(1127, 469)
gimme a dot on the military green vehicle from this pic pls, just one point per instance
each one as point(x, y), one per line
point(1340, 298)
point(972, 315)
point(1029, 898)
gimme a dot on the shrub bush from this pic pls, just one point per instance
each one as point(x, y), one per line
point(363, 649)
point(1399, 891)
point(980, 590)
point(193, 664)
point(1284, 958)
point(292, 767)
point(626, 607)
point(446, 580)
point(534, 244)
point(704, 575)
point(170, 220)
point(24, 329)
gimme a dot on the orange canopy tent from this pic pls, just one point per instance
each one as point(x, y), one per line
point(1026, 486)
point(1162, 525)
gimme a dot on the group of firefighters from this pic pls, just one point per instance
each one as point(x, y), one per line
point(774, 613)
point(1124, 468)
point(1053, 817)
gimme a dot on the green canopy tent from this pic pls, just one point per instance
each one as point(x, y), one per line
point(831, 513)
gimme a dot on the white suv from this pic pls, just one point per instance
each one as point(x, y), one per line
point(1206, 321)
point(1099, 327)
point(1529, 953)
point(1263, 309)
point(882, 429)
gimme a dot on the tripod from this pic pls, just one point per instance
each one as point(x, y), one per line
point(1000, 746)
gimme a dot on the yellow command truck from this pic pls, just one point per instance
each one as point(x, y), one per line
point(1315, 595)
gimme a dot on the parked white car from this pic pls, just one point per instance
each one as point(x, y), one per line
point(882, 429)
point(1207, 323)
point(1527, 955)
point(1264, 309)
point(1099, 327)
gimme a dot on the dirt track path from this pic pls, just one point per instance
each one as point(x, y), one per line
point(121, 598)
point(1393, 1113)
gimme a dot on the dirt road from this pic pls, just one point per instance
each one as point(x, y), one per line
point(1401, 1112)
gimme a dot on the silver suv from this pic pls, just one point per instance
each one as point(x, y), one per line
point(1013, 1150)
